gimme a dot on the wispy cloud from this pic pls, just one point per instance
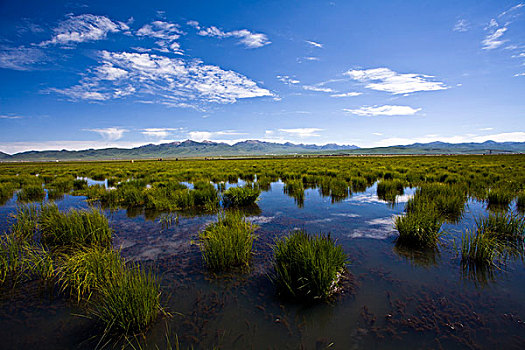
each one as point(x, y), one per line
point(511, 10)
point(110, 134)
point(461, 26)
point(387, 110)
point(493, 41)
point(287, 80)
point(314, 44)
point(347, 94)
point(247, 38)
point(302, 132)
point(21, 57)
point(171, 81)
point(5, 116)
point(385, 79)
point(83, 28)
point(317, 88)
point(166, 33)
point(159, 132)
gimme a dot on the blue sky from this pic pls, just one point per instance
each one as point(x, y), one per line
point(93, 74)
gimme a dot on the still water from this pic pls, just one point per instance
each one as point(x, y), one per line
point(394, 298)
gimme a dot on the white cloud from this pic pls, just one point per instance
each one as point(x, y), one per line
point(377, 134)
point(210, 135)
point(158, 132)
point(83, 28)
point(166, 32)
point(110, 134)
point(170, 81)
point(287, 80)
point(519, 74)
point(311, 58)
point(4, 116)
point(315, 44)
point(347, 94)
point(317, 88)
point(492, 41)
point(486, 129)
point(302, 132)
point(385, 79)
point(461, 26)
point(512, 9)
point(247, 38)
point(21, 58)
point(388, 110)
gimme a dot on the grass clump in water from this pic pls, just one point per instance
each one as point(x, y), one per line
point(26, 224)
point(129, 302)
point(308, 267)
point(419, 227)
point(240, 196)
point(31, 193)
point(497, 237)
point(85, 269)
point(228, 242)
point(75, 228)
point(499, 197)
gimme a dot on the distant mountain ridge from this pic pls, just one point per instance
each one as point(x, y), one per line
point(191, 148)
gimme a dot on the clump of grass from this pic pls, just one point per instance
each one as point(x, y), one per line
point(86, 269)
point(240, 196)
point(227, 243)
point(31, 193)
point(419, 227)
point(6, 192)
point(449, 200)
point(389, 189)
point(308, 267)
point(496, 238)
point(26, 224)
point(75, 228)
point(12, 261)
point(129, 302)
point(80, 184)
point(499, 197)
point(295, 189)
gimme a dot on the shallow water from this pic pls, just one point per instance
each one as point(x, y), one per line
point(394, 298)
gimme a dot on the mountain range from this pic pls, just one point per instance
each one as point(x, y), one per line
point(191, 148)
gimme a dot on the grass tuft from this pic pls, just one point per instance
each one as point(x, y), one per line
point(129, 302)
point(228, 242)
point(75, 228)
point(308, 267)
point(240, 196)
point(420, 227)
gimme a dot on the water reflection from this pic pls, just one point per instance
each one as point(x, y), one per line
point(418, 257)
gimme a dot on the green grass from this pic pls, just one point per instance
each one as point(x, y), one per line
point(75, 228)
point(31, 193)
point(496, 238)
point(129, 302)
point(389, 189)
point(295, 189)
point(12, 261)
point(227, 243)
point(240, 196)
point(26, 224)
point(420, 227)
point(499, 197)
point(83, 271)
point(308, 267)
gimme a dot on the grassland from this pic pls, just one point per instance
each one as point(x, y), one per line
point(72, 250)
